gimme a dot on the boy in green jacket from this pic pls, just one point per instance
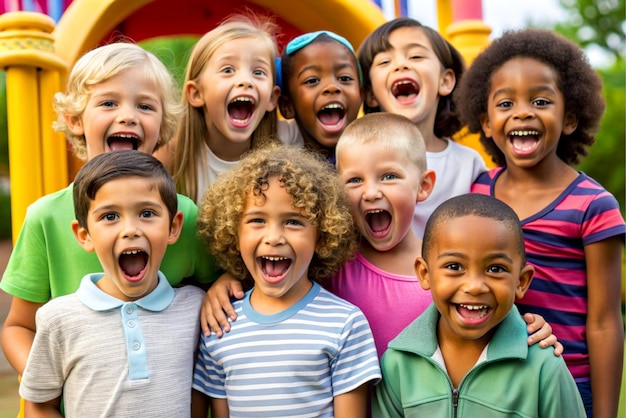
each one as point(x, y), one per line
point(467, 355)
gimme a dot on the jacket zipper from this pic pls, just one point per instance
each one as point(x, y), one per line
point(455, 401)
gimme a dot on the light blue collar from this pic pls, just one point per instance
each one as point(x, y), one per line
point(94, 298)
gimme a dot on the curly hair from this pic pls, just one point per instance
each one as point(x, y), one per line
point(579, 83)
point(316, 191)
point(447, 122)
point(98, 66)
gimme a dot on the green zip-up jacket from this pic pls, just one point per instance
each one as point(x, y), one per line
point(514, 381)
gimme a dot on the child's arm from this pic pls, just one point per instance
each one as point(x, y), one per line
point(50, 409)
point(199, 404)
point(352, 404)
point(18, 332)
point(217, 305)
point(605, 329)
point(219, 408)
point(541, 332)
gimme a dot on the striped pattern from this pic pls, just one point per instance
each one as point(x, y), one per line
point(555, 239)
point(291, 363)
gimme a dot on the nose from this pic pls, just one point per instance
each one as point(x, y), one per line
point(332, 88)
point(371, 191)
point(401, 64)
point(244, 81)
point(474, 284)
point(130, 229)
point(524, 111)
point(127, 115)
point(274, 235)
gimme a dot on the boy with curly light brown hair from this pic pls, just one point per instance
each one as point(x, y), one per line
point(281, 217)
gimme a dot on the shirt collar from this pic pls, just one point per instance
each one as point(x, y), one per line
point(94, 298)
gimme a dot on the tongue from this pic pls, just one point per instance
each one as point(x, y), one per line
point(239, 110)
point(330, 117)
point(380, 221)
point(523, 143)
point(133, 264)
point(120, 144)
point(276, 268)
point(469, 314)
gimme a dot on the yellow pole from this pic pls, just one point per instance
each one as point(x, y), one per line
point(27, 54)
point(53, 144)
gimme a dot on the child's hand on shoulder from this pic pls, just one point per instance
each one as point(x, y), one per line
point(217, 308)
point(541, 332)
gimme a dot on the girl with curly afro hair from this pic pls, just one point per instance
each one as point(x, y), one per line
point(537, 103)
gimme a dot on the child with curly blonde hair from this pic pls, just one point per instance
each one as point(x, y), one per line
point(281, 217)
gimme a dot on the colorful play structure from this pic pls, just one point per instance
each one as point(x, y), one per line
point(40, 41)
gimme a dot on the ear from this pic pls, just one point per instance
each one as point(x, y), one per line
point(286, 107)
point(486, 125)
point(273, 99)
point(82, 236)
point(427, 185)
point(74, 124)
point(176, 228)
point(194, 96)
point(525, 277)
point(447, 81)
point(570, 124)
point(370, 100)
point(421, 270)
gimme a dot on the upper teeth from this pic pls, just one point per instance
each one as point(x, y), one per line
point(375, 211)
point(333, 106)
point(403, 82)
point(275, 258)
point(524, 133)
point(473, 307)
point(130, 136)
point(131, 252)
point(242, 99)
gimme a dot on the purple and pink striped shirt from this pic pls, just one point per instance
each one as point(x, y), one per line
point(555, 238)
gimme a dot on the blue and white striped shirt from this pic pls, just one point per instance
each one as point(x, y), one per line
point(291, 363)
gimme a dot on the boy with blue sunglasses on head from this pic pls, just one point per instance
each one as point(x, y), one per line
point(321, 90)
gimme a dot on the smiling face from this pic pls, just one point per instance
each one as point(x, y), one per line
point(277, 245)
point(324, 92)
point(383, 186)
point(409, 78)
point(128, 226)
point(123, 112)
point(526, 113)
point(474, 272)
point(235, 90)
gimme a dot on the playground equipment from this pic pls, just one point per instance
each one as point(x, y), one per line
point(37, 53)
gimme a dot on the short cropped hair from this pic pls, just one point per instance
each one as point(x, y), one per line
point(389, 130)
point(475, 204)
point(103, 63)
point(316, 191)
point(115, 165)
point(579, 83)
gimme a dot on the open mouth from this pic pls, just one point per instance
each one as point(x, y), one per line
point(133, 264)
point(240, 110)
point(524, 140)
point(405, 89)
point(332, 114)
point(378, 221)
point(119, 142)
point(472, 312)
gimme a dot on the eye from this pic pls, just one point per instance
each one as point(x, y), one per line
point(496, 269)
point(311, 81)
point(388, 177)
point(294, 222)
point(505, 104)
point(383, 61)
point(228, 70)
point(145, 107)
point(107, 103)
point(259, 73)
point(255, 221)
point(453, 266)
point(109, 217)
point(541, 102)
point(354, 180)
point(147, 214)
point(345, 78)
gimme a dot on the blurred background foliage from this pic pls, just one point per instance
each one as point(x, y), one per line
point(597, 25)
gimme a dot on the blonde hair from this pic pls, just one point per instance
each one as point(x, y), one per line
point(103, 63)
point(192, 131)
point(390, 131)
point(316, 192)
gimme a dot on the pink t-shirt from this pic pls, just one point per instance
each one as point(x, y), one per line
point(389, 301)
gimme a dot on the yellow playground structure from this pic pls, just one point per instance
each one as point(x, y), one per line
point(37, 52)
